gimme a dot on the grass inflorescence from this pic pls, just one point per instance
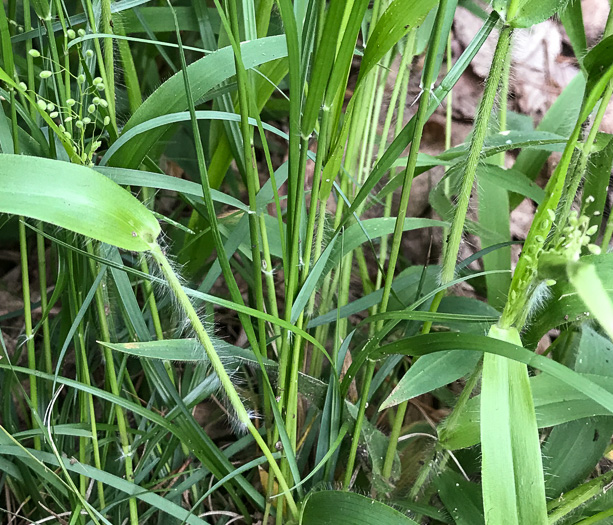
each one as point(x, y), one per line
point(251, 331)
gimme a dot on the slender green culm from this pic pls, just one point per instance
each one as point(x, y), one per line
point(266, 341)
point(241, 412)
point(428, 79)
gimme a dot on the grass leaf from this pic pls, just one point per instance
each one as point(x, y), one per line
point(76, 198)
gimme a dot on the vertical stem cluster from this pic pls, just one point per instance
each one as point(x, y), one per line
point(455, 235)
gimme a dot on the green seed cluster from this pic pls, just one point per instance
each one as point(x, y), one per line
point(575, 236)
point(541, 262)
point(77, 117)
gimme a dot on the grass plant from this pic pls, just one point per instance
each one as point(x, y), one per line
point(221, 321)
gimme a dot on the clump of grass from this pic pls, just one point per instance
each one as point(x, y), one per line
point(325, 300)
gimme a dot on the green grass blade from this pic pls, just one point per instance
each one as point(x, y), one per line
point(204, 75)
point(76, 198)
point(346, 508)
point(596, 181)
point(461, 498)
point(563, 467)
point(405, 136)
point(560, 119)
point(135, 134)
point(352, 237)
point(431, 372)
point(593, 292)
point(162, 504)
point(427, 344)
point(160, 181)
point(572, 18)
point(555, 403)
point(397, 20)
point(512, 471)
point(532, 13)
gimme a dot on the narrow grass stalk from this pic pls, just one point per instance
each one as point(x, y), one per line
point(102, 68)
point(244, 88)
point(109, 52)
point(453, 242)
point(27, 26)
point(208, 199)
point(224, 378)
point(399, 94)
point(224, 263)
point(27, 313)
point(111, 375)
point(476, 145)
point(86, 399)
point(576, 175)
point(428, 78)
point(7, 55)
point(42, 277)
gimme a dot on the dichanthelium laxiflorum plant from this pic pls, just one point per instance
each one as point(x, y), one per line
point(217, 297)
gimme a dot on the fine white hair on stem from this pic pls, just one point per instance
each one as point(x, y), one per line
point(541, 293)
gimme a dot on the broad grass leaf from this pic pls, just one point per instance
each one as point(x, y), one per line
point(495, 220)
point(160, 181)
point(564, 468)
point(599, 70)
point(335, 507)
point(164, 121)
point(597, 62)
point(204, 75)
point(512, 471)
point(555, 403)
point(431, 343)
point(75, 198)
point(158, 19)
point(531, 13)
point(587, 283)
point(397, 20)
point(431, 372)
point(511, 180)
point(461, 498)
point(436, 370)
point(572, 18)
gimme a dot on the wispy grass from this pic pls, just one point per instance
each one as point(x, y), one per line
point(234, 348)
